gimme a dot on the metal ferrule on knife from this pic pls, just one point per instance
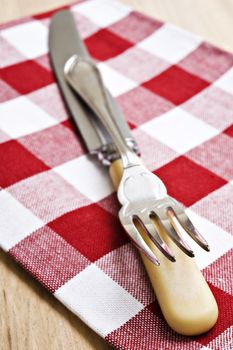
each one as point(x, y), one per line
point(64, 42)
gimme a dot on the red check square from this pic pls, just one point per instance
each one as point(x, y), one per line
point(50, 13)
point(49, 258)
point(17, 163)
point(225, 306)
point(229, 131)
point(187, 181)
point(176, 85)
point(91, 230)
point(26, 76)
point(105, 44)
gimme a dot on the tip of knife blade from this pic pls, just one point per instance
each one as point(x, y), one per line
point(62, 13)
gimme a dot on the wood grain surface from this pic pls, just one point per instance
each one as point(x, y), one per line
point(30, 317)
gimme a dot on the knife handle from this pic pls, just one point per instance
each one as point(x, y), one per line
point(185, 298)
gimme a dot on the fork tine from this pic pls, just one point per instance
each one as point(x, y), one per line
point(175, 235)
point(146, 222)
point(187, 225)
point(137, 239)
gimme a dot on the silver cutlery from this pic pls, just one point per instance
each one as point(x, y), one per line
point(141, 193)
point(154, 221)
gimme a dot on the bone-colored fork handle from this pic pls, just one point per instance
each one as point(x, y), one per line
point(185, 298)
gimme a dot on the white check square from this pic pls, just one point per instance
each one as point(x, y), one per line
point(213, 234)
point(114, 81)
point(88, 176)
point(102, 12)
point(170, 43)
point(31, 39)
point(98, 300)
point(16, 221)
point(20, 117)
point(226, 81)
point(179, 130)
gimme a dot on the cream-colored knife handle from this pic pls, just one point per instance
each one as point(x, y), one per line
point(185, 298)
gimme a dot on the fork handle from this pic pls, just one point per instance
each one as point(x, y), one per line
point(185, 298)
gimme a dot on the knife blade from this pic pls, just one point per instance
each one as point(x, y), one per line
point(64, 42)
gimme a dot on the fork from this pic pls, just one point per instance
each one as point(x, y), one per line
point(154, 221)
point(142, 194)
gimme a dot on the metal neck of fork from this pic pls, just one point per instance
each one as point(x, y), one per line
point(129, 159)
point(128, 156)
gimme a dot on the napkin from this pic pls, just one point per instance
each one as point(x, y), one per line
point(58, 209)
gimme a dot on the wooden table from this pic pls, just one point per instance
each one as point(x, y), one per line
point(30, 317)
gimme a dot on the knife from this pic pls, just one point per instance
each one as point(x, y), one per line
point(64, 42)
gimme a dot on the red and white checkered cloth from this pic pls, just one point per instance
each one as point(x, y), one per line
point(58, 210)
